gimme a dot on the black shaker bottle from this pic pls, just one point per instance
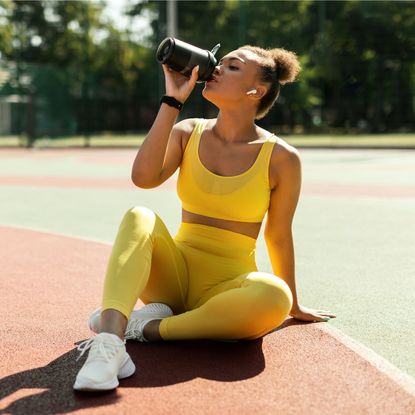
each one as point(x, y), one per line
point(183, 57)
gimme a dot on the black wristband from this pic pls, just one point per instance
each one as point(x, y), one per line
point(173, 102)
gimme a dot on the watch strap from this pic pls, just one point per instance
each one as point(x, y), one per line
point(171, 101)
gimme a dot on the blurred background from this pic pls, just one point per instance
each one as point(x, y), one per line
point(87, 69)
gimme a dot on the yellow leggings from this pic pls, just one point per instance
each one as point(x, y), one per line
point(208, 276)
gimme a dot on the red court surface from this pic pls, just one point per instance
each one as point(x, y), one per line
point(50, 283)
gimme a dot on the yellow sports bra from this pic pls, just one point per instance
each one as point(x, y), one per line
point(244, 197)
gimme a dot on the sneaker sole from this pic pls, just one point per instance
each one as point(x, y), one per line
point(143, 315)
point(127, 369)
point(92, 318)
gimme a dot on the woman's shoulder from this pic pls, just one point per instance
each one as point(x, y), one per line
point(283, 155)
point(281, 148)
point(187, 126)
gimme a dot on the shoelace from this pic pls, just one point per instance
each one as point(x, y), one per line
point(135, 327)
point(87, 344)
point(135, 330)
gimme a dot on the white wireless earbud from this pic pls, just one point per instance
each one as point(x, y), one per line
point(251, 92)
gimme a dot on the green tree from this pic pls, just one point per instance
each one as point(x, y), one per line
point(358, 59)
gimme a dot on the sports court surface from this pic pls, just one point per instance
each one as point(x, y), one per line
point(354, 234)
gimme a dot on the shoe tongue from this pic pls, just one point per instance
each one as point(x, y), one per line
point(110, 338)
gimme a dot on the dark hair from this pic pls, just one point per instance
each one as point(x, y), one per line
point(277, 67)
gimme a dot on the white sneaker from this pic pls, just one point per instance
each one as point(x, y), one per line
point(138, 319)
point(107, 362)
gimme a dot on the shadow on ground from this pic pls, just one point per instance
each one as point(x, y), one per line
point(158, 364)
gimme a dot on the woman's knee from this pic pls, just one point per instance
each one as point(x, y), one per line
point(138, 222)
point(273, 299)
point(140, 212)
point(139, 217)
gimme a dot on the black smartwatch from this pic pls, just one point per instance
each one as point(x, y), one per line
point(173, 102)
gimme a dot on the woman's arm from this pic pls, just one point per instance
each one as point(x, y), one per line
point(147, 170)
point(278, 228)
point(278, 231)
point(148, 163)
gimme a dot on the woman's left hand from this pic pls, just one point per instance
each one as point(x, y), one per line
point(308, 314)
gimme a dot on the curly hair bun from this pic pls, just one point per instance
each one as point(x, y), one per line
point(284, 62)
point(287, 64)
point(277, 67)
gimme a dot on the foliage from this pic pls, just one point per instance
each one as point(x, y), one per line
point(358, 59)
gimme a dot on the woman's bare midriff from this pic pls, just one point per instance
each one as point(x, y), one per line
point(245, 228)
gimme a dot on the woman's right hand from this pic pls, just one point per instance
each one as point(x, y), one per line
point(178, 85)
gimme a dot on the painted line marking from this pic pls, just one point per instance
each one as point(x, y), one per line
point(404, 380)
point(330, 189)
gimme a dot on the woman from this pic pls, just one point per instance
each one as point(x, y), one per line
point(204, 283)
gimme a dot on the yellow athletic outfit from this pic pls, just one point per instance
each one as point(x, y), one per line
point(207, 275)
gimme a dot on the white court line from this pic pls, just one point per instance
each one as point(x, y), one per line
point(405, 381)
point(66, 235)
